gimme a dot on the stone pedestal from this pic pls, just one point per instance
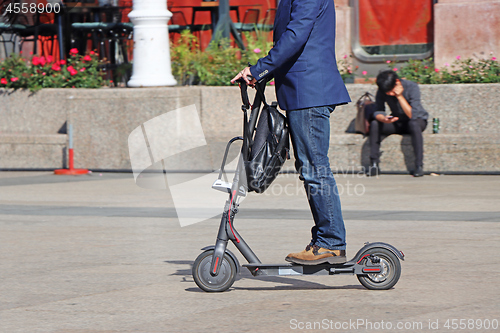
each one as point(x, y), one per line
point(151, 44)
point(466, 28)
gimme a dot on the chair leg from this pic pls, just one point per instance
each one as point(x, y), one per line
point(35, 37)
point(95, 41)
point(20, 45)
point(4, 47)
point(52, 46)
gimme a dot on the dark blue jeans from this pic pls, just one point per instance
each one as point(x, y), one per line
point(310, 134)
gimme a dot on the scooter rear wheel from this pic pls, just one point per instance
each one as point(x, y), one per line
point(391, 271)
point(206, 281)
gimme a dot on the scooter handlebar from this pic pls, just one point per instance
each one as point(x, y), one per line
point(242, 81)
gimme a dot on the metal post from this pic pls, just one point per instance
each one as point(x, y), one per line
point(60, 35)
point(71, 170)
point(225, 25)
point(223, 12)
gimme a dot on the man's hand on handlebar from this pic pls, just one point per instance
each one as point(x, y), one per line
point(246, 75)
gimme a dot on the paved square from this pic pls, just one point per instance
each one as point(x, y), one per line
point(97, 253)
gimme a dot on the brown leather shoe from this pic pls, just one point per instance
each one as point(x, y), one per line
point(314, 255)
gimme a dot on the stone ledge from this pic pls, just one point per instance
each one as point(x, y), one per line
point(32, 151)
point(104, 118)
point(442, 153)
point(47, 139)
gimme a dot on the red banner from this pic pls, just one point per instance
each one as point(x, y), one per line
point(395, 22)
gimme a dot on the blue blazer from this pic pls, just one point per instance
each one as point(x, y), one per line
point(302, 60)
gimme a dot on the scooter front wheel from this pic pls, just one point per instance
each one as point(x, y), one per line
point(388, 277)
point(206, 281)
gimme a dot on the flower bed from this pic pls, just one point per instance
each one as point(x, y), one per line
point(218, 64)
point(79, 71)
point(460, 71)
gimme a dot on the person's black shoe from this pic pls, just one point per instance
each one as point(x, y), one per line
point(419, 172)
point(373, 170)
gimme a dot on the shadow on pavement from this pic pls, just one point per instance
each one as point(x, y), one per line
point(292, 284)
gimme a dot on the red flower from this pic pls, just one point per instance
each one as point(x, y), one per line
point(62, 62)
point(3, 81)
point(87, 58)
point(92, 52)
point(72, 71)
point(73, 51)
point(82, 69)
point(35, 61)
point(56, 67)
point(42, 61)
point(50, 58)
point(14, 79)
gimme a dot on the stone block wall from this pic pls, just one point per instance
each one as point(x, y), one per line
point(466, 28)
point(104, 118)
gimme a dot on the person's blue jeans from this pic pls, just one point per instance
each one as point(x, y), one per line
point(310, 134)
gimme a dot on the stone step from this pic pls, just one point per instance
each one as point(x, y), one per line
point(23, 151)
point(442, 153)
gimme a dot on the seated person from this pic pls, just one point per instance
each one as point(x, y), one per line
point(407, 117)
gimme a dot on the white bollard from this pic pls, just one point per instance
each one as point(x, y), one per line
point(151, 67)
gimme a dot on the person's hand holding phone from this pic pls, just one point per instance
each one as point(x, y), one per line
point(390, 119)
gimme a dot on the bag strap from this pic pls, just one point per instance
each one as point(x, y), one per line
point(246, 137)
point(260, 87)
point(244, 94)
point(281, 145)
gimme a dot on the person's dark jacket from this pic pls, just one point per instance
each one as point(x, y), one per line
point(411, 93)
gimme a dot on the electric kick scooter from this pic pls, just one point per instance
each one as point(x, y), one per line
point(376, 265)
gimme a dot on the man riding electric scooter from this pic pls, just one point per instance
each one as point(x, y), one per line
point(309, 87)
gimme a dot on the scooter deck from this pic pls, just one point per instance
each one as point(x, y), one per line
point(349, 267)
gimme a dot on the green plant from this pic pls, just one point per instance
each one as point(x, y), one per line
point(475, 71)
point(460, 71)
point(217, 64)
point(14, 72)
point(184, 56)
point(257, 46)
point(346, 68)
point(43, 72)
